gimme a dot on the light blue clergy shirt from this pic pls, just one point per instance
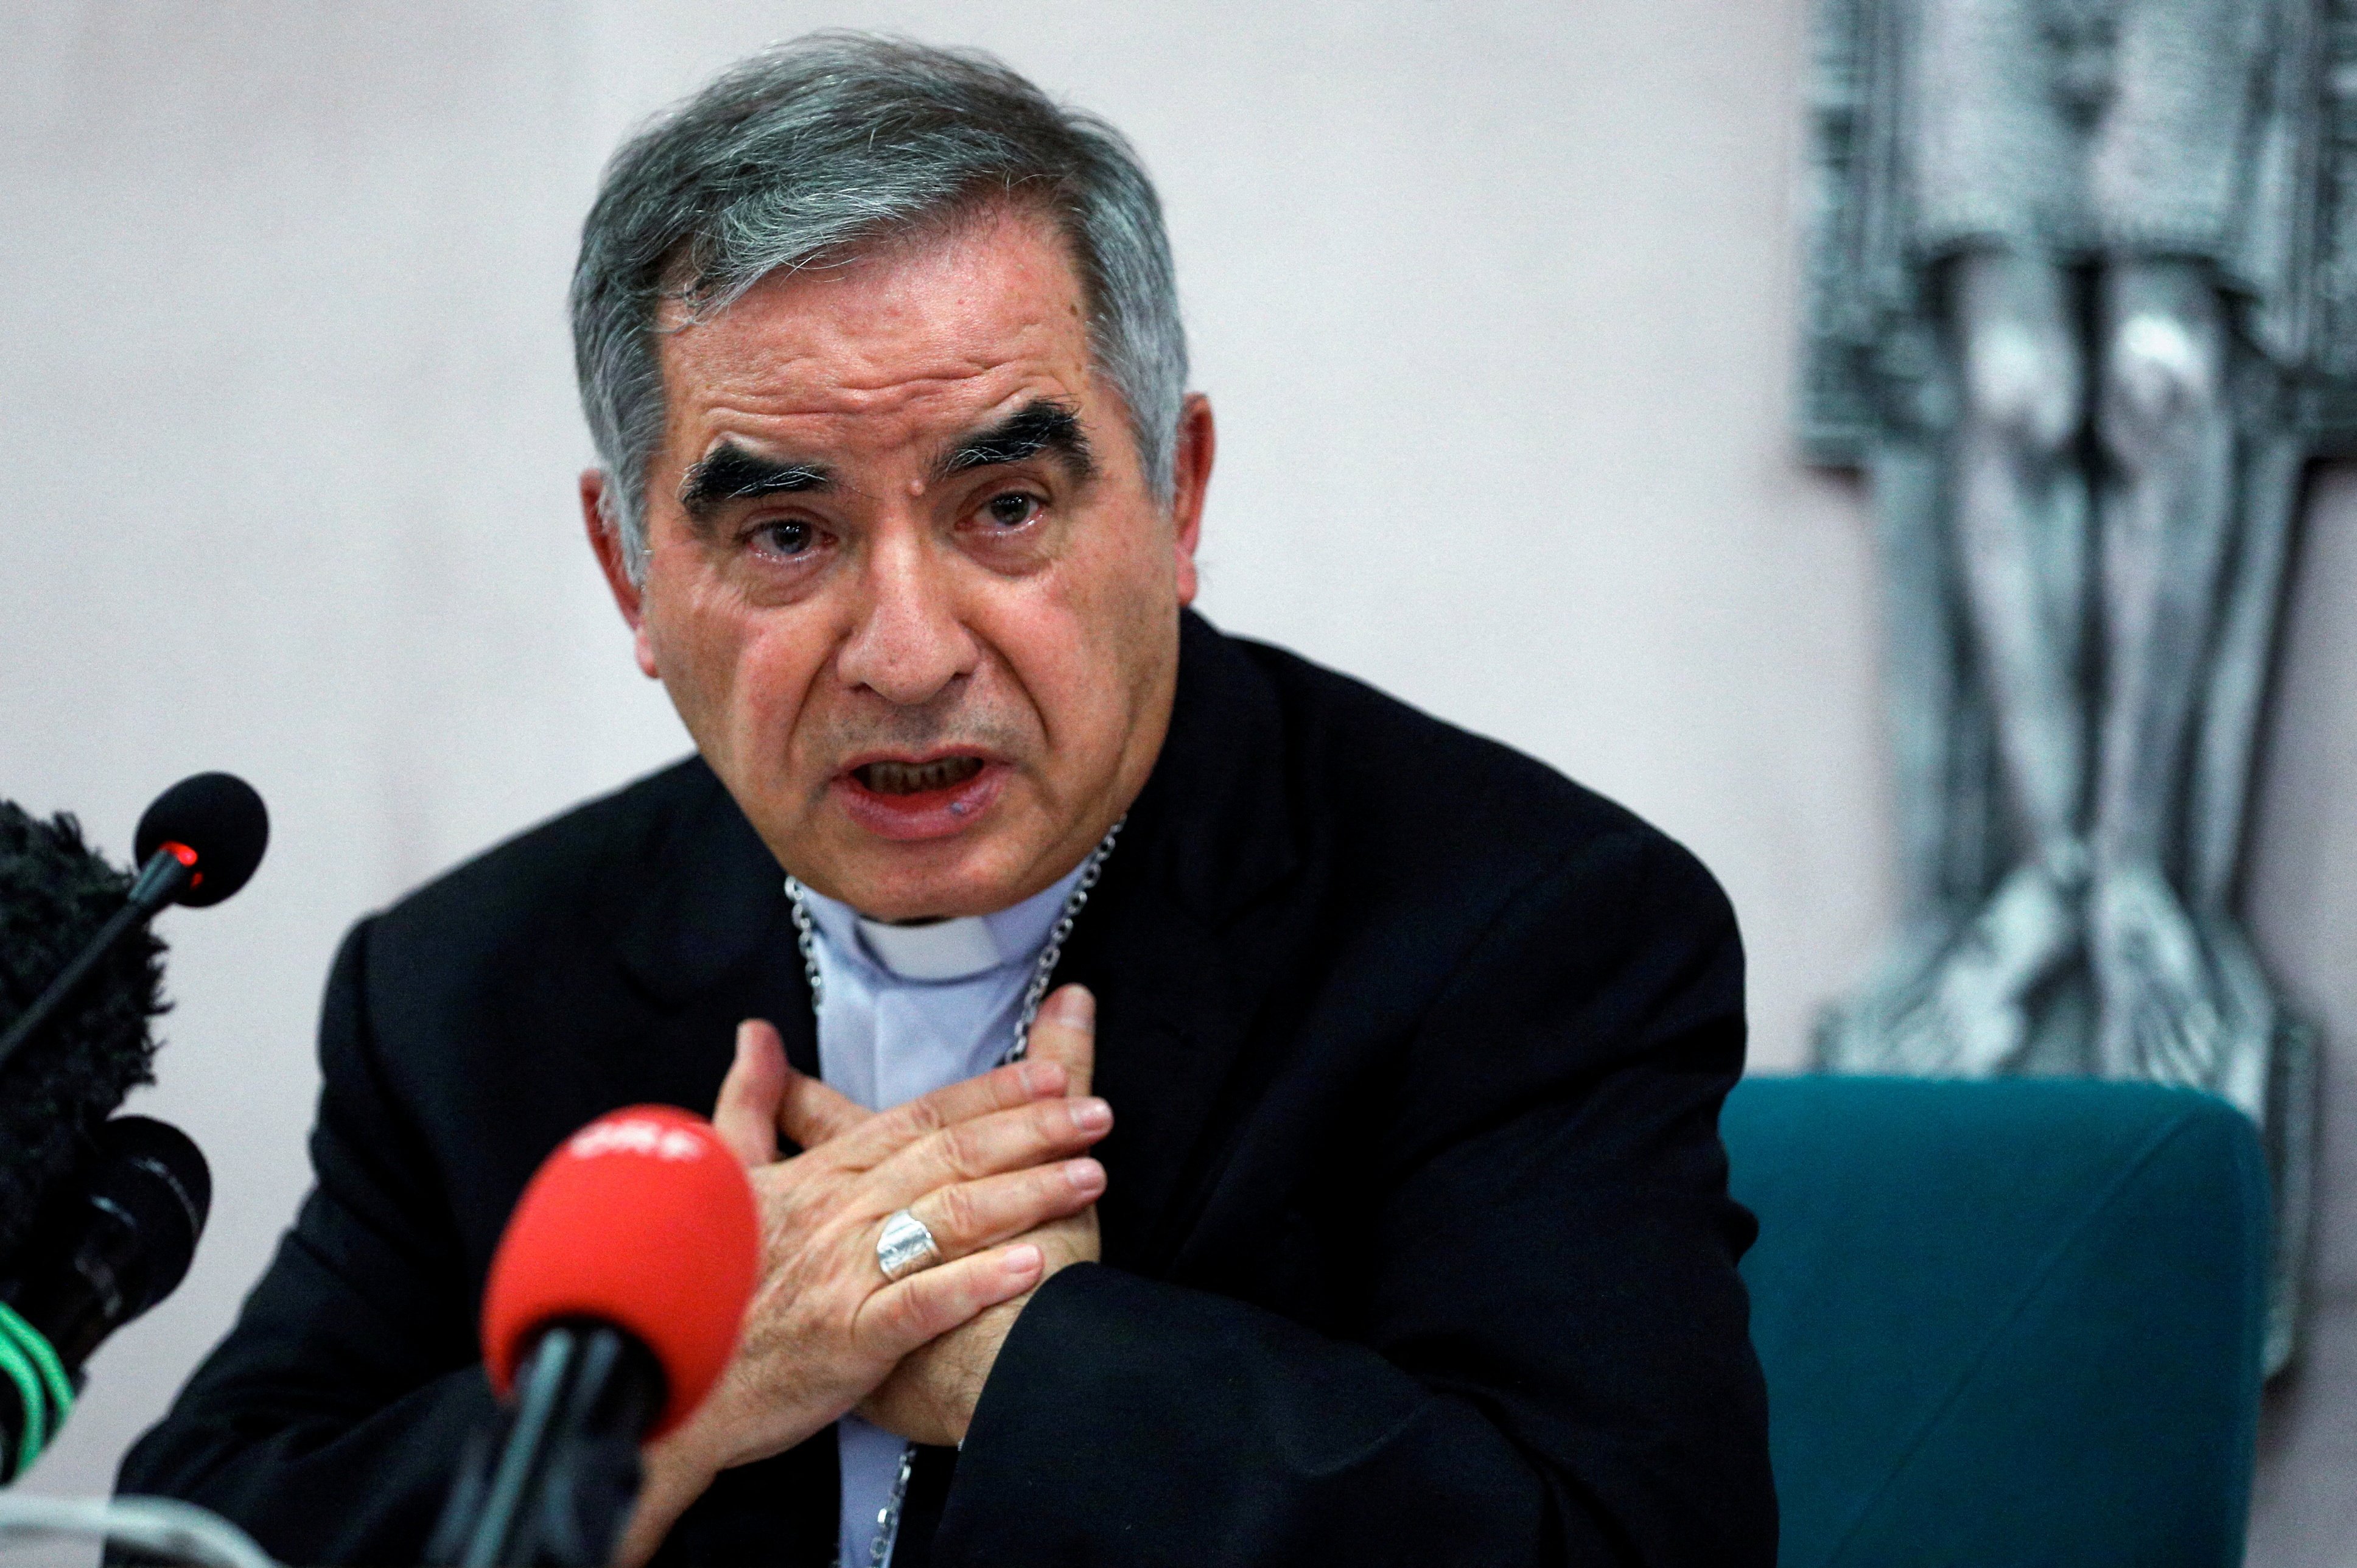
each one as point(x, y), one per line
point(908, 1009)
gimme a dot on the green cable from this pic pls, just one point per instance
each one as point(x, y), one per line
point(36, 1345)
point(20, 1368)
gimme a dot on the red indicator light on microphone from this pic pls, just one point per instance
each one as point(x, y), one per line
point(186, 856)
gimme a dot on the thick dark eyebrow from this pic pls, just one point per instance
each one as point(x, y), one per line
point(1042, 426)
point(730, 473)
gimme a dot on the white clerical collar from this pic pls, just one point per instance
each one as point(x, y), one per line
point(945, 951)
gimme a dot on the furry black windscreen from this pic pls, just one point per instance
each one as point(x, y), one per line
point(55, 893)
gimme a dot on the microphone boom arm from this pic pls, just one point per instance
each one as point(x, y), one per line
point(160, 881)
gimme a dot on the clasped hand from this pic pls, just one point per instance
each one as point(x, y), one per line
point(992, 1166)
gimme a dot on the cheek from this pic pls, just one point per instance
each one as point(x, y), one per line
point(680, 662)
point(1108, 635)
point(738, 678)
point(1132, 597)
point(771, 686)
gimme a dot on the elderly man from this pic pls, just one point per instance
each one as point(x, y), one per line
point(1409, 1241)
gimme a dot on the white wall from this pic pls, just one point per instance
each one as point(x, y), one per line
point(1494, 303)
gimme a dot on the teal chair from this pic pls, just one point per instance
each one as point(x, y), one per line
point(2008, 1323)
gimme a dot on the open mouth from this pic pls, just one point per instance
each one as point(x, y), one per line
point(917, 777)
point(909, 802)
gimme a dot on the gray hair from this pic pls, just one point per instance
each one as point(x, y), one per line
point(812, 151)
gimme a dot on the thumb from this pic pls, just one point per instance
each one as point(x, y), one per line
point(1066, 1032)
point(746, 1114)
point(809, 1113)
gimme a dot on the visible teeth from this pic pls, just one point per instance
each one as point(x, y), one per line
point(915, 778)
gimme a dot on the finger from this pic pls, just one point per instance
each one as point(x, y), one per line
point(977, 1214)
point(932, 1301)
point(1066, 1033)
point(746, 1114)
point(1000, 1088)
point(1004, 1141)
point(810, 1113)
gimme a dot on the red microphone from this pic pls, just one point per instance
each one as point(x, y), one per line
point(642, 1219)
point(613, 1305)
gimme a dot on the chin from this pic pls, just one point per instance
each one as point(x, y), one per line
point(912, 882)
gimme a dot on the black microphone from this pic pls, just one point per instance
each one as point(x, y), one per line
point(551, 1482)
point(197, 844)
point(111, 1241)
point(54, 893)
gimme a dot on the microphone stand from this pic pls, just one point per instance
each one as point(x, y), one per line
point(567, 1474)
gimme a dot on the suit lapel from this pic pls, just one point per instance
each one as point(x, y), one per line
point(1166, 946)
point(709, 939)
point(706, 892)
point(709, 935)
point(1163, 1046)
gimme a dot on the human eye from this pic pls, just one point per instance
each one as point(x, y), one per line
point(1011, 509)
point(783, 538)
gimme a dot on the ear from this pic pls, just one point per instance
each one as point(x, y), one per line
point(605, 539)
point(1190, 476)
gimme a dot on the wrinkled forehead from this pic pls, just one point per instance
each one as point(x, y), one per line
point(943, 322)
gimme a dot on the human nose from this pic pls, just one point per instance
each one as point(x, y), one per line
point(908, 643)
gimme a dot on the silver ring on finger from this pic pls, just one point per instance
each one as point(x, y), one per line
point(905, 1246)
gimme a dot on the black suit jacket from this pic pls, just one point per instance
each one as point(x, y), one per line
point(1417, 1246)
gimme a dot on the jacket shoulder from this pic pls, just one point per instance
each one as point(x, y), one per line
point(1413, 797)
point(586, 862)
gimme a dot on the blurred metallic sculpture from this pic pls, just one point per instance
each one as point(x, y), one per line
point(2079, 302)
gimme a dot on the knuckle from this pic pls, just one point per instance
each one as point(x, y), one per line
point(959, 1212)
point(961, 1148)
point(1045, 1192)
point(904, 1312)
point(924, 1116)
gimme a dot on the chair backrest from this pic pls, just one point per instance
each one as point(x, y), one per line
point(2014, 1322)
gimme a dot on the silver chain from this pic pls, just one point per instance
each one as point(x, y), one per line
point(887, 1518)
point(1044, 970)
point(806, 938)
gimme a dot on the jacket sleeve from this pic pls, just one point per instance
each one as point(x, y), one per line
point(1553, 1364)
point(330, 1421)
